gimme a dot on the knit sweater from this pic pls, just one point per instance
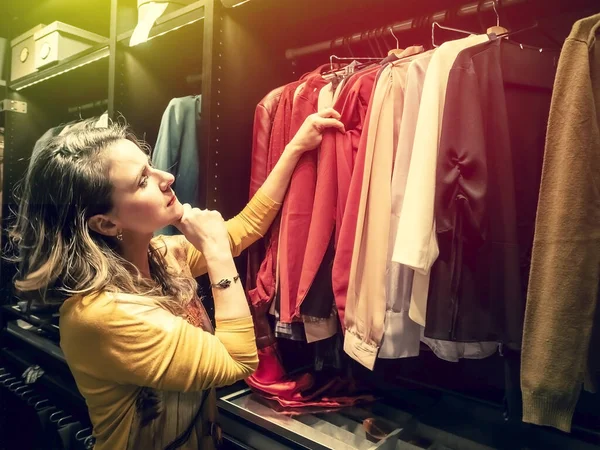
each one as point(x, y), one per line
point(565, 270)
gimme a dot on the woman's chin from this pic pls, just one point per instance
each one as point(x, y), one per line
point(176, 211)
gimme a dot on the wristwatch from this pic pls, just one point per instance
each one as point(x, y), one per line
point(225, 282)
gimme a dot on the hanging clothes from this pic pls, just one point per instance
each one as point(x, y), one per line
point(402, 335)
point(270, 379)
point(336, 165)
point(176, 150)
point(297, 208)
point(561, 335)
point(416, 244)
point(263, 123)
point(266, 279)
point(476, 288)
point(365, 306)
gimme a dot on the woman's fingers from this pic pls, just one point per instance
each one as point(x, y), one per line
point(329, 113)
point(323, 123)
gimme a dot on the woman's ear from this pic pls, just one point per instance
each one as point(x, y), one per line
point(103, 225)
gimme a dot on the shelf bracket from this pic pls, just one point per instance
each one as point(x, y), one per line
point(13, 106)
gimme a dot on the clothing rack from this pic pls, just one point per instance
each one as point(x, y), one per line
point(86, 106)
point(465, 10)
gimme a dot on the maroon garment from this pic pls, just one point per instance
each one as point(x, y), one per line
point(335, 168)
point(264, 117)
point(263, 124)
point(302, 390)
point(264, 290)
point(297, 209)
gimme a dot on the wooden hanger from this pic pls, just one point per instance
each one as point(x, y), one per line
point(496, 29)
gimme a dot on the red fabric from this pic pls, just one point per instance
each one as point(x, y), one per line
point(335, 169)
point(298, 206)
point(264, 116)
point(264, 290)
point(263, 124)
point(270, 379)
point(300, 391)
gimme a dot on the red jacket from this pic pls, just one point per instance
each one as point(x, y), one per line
point(264, 290)
point(263, 124)
point(298, 205)
point(335, 168)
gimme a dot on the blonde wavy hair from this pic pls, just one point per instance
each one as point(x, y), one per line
point(58, 255)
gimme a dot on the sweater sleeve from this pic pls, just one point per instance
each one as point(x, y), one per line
point(563, 288)
point(244, 229)
point(128, 342)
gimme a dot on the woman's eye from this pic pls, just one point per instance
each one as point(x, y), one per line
point(144, 181)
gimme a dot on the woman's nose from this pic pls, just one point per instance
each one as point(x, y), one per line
point(167, 180)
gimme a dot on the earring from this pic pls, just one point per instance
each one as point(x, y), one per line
point(120, 235)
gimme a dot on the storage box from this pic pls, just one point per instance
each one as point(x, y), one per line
point(59, 41)
point(23, 54)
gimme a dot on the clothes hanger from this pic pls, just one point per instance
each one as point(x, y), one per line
point(380, 42)
point(496, 29)
point(82, 434)
point(397, 51)
point(512, 33)
point(33, 399)
point(12, 386)
point(56, 416)
point(64, 421)
point(352, 58)
point(456, 30)
point(41, 404)
point(373, 46)
point(6, 381)
point(22, 392)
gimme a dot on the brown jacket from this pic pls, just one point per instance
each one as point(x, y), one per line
point(565, 271)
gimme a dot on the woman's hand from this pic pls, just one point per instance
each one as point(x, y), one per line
point(310, 134)
point(205, 230)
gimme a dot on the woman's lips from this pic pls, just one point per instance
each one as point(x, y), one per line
point(171, 201)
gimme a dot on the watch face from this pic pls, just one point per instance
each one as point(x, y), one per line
point(24, 54)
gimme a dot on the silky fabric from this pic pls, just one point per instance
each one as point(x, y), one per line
point(340, 192)
point(402, 335)
point(366, 302)
point(477, 292)
point(337, 163)
point(416, 243)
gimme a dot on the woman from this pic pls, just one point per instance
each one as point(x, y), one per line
point(133, 330)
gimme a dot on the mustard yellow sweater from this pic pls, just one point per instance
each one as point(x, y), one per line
point(117, 343)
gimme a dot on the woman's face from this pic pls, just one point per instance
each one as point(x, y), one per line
point(143, 200)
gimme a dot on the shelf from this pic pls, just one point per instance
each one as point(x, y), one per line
point(171, 22)
point(91, 55)
point(339, 430)
point(37, 342)
point(32, 318)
